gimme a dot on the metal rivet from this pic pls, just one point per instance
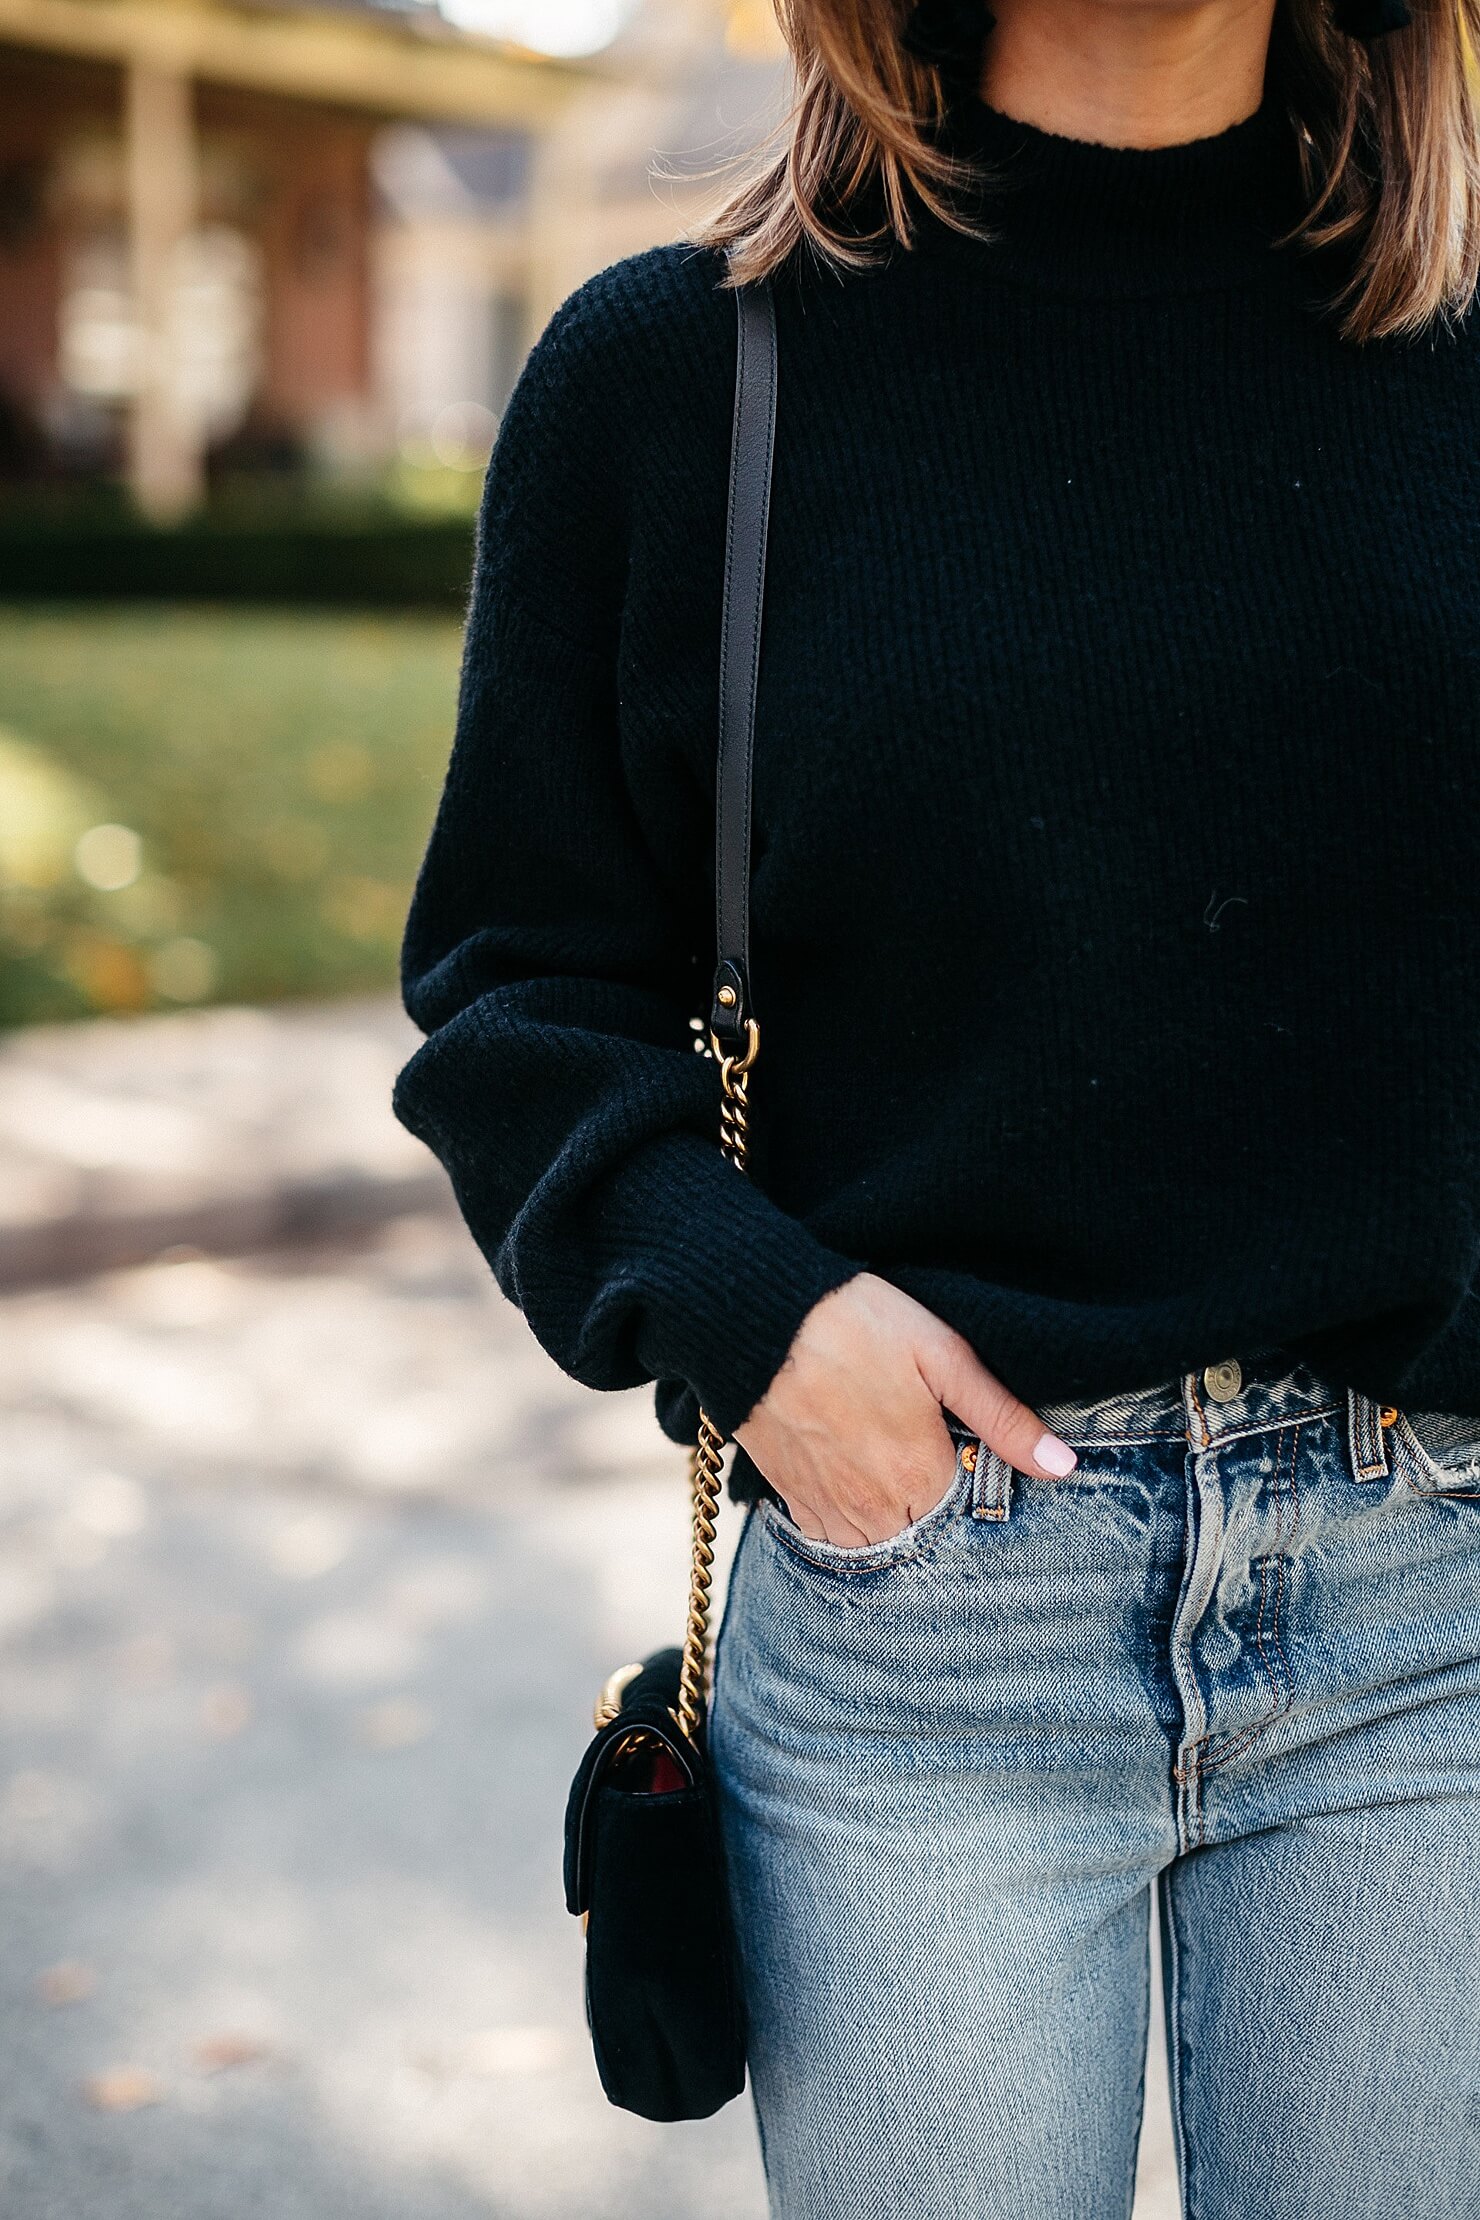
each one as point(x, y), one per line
point(1388, 1415)
point(1223, 1381)
point(726, 998)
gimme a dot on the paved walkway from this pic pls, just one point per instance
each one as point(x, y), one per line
point(311, 1563)
point(223, 1129)
point(310, 1569)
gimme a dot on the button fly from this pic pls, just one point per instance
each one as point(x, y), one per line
point(1223, 1381)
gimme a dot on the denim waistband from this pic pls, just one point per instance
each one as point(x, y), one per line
point(1217, 1404)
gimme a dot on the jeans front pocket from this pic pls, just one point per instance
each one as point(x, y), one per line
point(910, 1542)
point(1438, 1453)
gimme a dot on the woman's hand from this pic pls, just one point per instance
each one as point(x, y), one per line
point(850, 1432)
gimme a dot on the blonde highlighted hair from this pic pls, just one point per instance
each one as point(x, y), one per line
point(1388, 132)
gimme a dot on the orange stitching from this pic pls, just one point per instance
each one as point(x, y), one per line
point(1265, 1425)
point(1188, 1778)
point(994, 1476)
point(1370, 1458)
point(1186, 1769)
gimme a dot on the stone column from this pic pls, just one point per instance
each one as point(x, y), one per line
point(165, 460)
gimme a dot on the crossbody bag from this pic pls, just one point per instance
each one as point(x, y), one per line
point(644, 1860)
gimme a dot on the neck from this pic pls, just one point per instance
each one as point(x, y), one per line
point(1128, 73)
point(1080, 217)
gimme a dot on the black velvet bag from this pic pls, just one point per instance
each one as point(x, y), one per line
point(644, 1859)
point(644, 1864)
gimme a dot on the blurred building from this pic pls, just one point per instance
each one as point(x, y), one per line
point(188, 220)
point(304, 239)
point(187, 217)
point(696, 86)
point(484, 234)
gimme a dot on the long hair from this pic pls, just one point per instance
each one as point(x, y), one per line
point(1388, 132)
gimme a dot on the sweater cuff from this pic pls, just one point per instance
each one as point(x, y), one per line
point(725, 1276)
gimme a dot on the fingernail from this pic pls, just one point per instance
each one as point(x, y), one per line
point(1055, 1456)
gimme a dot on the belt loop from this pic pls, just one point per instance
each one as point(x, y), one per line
point(1368, 1437)
point(991, 1481)
point(1198, 1432)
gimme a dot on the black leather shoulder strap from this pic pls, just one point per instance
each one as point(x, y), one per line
point(752, 449)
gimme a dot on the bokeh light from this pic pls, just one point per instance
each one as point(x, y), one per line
point(548, 26)
point(109, 857)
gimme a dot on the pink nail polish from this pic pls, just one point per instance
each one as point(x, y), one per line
point(1054, 1456)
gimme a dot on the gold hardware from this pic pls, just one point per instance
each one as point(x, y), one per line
point(609, 1702)
point(705, 1468)
point(609, 1707)
point(707, 1455)
point(1388, 1415)
point(736, 1066)
point(1224, 1382)
point(968, 1457)
point(726, 998)
point(706, 1458)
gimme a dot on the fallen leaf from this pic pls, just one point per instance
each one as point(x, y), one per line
point(123, 2089)
point(67, 1982)
point(224, 1711)
point(217, 2053)
point(513, 2050)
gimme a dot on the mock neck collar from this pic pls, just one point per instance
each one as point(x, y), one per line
point(1076, 217)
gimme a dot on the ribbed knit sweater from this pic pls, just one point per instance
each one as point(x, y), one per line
point(1117, 809)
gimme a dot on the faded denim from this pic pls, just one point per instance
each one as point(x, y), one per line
point(1235, 1659)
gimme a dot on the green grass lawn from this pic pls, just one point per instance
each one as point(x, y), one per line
point(211, 805)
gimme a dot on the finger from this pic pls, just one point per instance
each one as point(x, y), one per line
point(834, 1525)
point(930, 1478)
point(956, 1375)
point(835, 1497)
point(915, 1481)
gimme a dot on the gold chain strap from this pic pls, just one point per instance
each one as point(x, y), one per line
point(708, 1450)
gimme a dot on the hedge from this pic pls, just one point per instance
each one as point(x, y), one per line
point(378, 562)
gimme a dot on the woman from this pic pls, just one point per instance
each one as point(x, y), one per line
point(1100, 1328)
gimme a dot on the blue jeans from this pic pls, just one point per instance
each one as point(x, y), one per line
point(1235, 1655)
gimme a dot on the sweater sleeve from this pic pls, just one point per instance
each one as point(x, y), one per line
point(555, 971)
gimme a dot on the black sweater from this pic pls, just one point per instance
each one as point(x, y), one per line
point(1117, 810)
